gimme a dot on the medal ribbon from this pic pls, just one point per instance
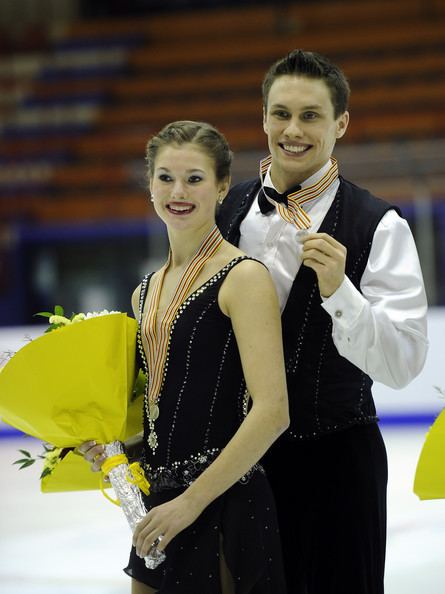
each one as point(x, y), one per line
point(158, 345)
point(294, 212)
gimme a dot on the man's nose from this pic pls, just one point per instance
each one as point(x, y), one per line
point(293, 129)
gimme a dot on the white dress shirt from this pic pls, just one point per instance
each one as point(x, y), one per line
point(382, 330)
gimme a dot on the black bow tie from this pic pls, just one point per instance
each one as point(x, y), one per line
point(266, 206)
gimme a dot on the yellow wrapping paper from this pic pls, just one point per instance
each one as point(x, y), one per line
point(429, 480)
point(72, 385)
point(73, 473)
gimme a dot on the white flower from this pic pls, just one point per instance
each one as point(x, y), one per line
point(78, 318)
point(59, 320)
point(96, 314)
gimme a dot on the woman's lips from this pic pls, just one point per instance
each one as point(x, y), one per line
point(180, 208)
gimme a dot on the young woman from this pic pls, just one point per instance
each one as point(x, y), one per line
point(210, 337)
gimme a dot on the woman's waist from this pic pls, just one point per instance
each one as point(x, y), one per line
point(182, 473)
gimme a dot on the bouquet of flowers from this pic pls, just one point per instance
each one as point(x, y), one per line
point(429, 481)
point(74, 384)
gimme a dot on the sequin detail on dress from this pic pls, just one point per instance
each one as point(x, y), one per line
point(203, 400)
point(191, 395)
point(157, 333)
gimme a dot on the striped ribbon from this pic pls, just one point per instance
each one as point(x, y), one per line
point(294, 212)
point(158, 344)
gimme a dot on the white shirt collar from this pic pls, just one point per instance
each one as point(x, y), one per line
point(313, 179)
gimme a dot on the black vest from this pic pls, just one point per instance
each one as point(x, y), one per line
point(326, 392)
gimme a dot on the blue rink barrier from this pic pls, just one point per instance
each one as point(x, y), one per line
point(389, 420)
point(407, 419)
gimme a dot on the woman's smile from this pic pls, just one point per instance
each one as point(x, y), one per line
point(180, 208)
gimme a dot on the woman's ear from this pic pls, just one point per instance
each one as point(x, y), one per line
point(223, 189)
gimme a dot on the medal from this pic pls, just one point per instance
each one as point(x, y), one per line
point(157, 337)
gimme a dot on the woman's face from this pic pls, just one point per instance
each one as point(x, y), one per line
point(184, 187)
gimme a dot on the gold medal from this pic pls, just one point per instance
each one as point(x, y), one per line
point(153, 440)
point(154, 411)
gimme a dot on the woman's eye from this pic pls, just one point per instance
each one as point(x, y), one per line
point(194, 179)
point(164, 177)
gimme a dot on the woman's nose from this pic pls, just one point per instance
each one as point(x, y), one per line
point(178, 190)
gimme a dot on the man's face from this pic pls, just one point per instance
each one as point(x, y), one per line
point(301, 128)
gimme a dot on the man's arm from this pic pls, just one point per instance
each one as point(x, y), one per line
point(383, 331)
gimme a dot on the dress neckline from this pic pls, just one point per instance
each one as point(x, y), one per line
point(200, 288)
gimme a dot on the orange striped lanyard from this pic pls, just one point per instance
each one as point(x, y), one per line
point(294, 212)
point(157, 345)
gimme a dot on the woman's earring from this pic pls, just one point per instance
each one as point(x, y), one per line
point(152, 199)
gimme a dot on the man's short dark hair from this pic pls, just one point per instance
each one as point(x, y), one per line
point(311, 65)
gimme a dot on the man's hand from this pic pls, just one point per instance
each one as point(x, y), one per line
point(327, 257)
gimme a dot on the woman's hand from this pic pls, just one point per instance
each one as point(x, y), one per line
point(94, 453)
point(164, 522)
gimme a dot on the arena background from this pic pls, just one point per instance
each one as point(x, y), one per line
point(83, 84)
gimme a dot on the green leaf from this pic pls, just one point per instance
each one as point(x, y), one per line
point(45, 472)
point(44, 314)
point(52, 327)
point(24, 463)
point(59, 311)
point(25, 453)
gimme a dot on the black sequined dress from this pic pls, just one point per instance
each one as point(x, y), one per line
point(202, 404)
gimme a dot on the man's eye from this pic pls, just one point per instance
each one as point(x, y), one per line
point(310, 115)
point(281, 114)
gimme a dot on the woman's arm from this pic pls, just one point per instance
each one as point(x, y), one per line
point(248, 297)
point(135, 301)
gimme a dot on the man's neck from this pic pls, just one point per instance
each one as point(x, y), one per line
point(283, 183)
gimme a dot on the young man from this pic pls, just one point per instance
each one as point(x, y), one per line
point(353, 309)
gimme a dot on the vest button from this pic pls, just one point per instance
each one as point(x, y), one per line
point(338, 313)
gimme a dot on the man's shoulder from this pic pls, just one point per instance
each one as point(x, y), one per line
point(237, 199)
point(367, 198)
point(348, 186)
point(243, 188)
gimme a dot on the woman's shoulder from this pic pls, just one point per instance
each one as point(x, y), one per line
point(248, 284)
point(236, 259)
point(229, 251)
point(246, 270)
point(136, 296)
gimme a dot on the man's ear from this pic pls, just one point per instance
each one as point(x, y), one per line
point(265, 126)
point(342, 124)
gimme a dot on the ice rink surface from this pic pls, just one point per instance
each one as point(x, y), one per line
point(77, 543)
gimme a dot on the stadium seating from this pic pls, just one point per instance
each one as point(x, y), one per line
point(76, 117)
